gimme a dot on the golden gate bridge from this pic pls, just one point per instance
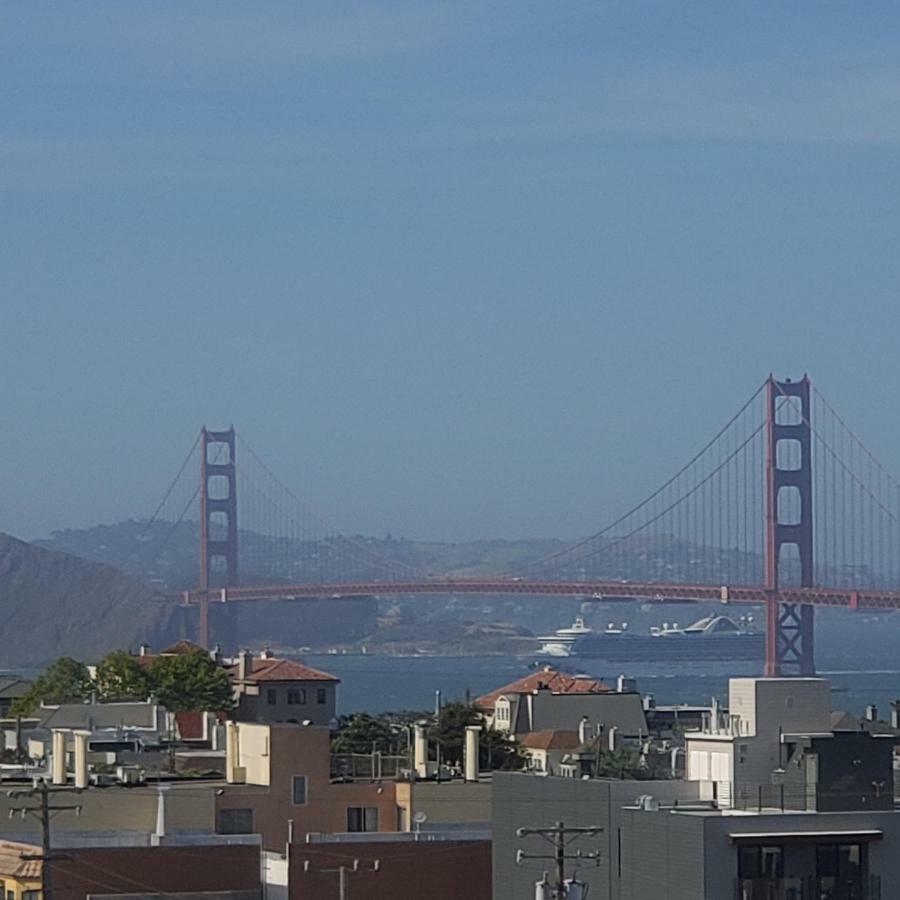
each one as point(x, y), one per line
point(783, 507)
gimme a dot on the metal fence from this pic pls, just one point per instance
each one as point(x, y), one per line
point(368, 767)
point(800, 797)
point(808, 888)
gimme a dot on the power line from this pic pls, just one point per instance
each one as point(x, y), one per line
point(44, 813)
point(560, 838)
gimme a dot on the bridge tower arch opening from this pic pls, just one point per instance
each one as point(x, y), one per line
point(218, 520)
point(788, 525)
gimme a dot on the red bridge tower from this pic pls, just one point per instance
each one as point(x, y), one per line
point(218, 519)
point(789, 626)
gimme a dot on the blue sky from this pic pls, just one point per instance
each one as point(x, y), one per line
point(455, 269)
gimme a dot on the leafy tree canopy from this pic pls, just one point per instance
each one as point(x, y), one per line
point(495, 751)
point(191, 680)
point(621, 763)
point(63, 681)
point(365, 733)
point(119, 676)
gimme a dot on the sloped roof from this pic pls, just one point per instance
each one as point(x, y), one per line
point(550, 739)
point(12, 864)
point(100, 715)
point(13, 686)
point(549, 678)
point(608, 708)
point(843, 721)
point(282, 670)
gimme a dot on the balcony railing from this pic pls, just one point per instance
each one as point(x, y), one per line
point(808, 888)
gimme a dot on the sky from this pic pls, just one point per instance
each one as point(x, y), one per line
point(454, 270)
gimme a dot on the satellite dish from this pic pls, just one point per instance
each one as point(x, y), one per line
point(420, 818)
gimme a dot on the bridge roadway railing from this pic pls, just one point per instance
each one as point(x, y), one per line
point(601, 591)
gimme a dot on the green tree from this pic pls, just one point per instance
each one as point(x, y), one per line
point(119, 676)
point(622, 763)
point(495, 751)
point(191, 680)
point(364, 733)
point(62, 681)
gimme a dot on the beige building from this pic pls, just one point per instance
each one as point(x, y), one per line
point(546, 750)
point(20, 872)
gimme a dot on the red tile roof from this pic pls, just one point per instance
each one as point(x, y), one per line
point(12, 864)
point(550, 740)
point(282, 670)
point(549, 678)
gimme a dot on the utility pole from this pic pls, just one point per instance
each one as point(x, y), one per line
point(343, 874)
point(44, 812)
point(560, 837)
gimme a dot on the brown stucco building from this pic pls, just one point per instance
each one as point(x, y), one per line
point(278, 774)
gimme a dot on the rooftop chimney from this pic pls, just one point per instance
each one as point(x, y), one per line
point(584, 730)
point(420, 751)
point(216, 654)
point(895, 715)
point(144, 650)
point(872, 712)
point(81, 761)
point(245, 664)
point(58, 757)
point(470, 753)
point(266, 654)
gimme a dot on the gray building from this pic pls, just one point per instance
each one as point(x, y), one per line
point(720, 855)
point(521, 800)
point(545, 710)
point(267, 689)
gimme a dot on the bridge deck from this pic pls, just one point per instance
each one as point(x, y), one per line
point(608, 591)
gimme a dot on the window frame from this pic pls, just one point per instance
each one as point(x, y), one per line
point(234, 811)
point(294, 800)
point(296, 696)
point(365, 816)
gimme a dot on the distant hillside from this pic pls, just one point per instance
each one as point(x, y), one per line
point(165, 555)
point(54, 604)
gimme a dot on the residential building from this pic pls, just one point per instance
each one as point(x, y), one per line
point(546, 750)
point(443, 867)
point(523, 800)
point(427, 806)
point(546, 678)
point(20, 871)
point(544, 710)
point(714, 853)
point(777, 748)
point(12, 688)
point(267, 689)
point(279, 786)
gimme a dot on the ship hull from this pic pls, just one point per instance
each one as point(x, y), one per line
point(650, 648)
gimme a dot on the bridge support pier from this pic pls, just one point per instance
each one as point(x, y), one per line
point(790, 635)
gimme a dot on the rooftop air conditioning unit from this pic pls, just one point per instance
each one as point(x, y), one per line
point(130, 775)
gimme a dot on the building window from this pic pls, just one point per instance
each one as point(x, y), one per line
point(272, 696)
point(298, 790)
point(321, 695)
point(296, 696)
point(30, 895)
point(362, 818)
point(840, 867)
point(235, 821)
point(755, 861)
